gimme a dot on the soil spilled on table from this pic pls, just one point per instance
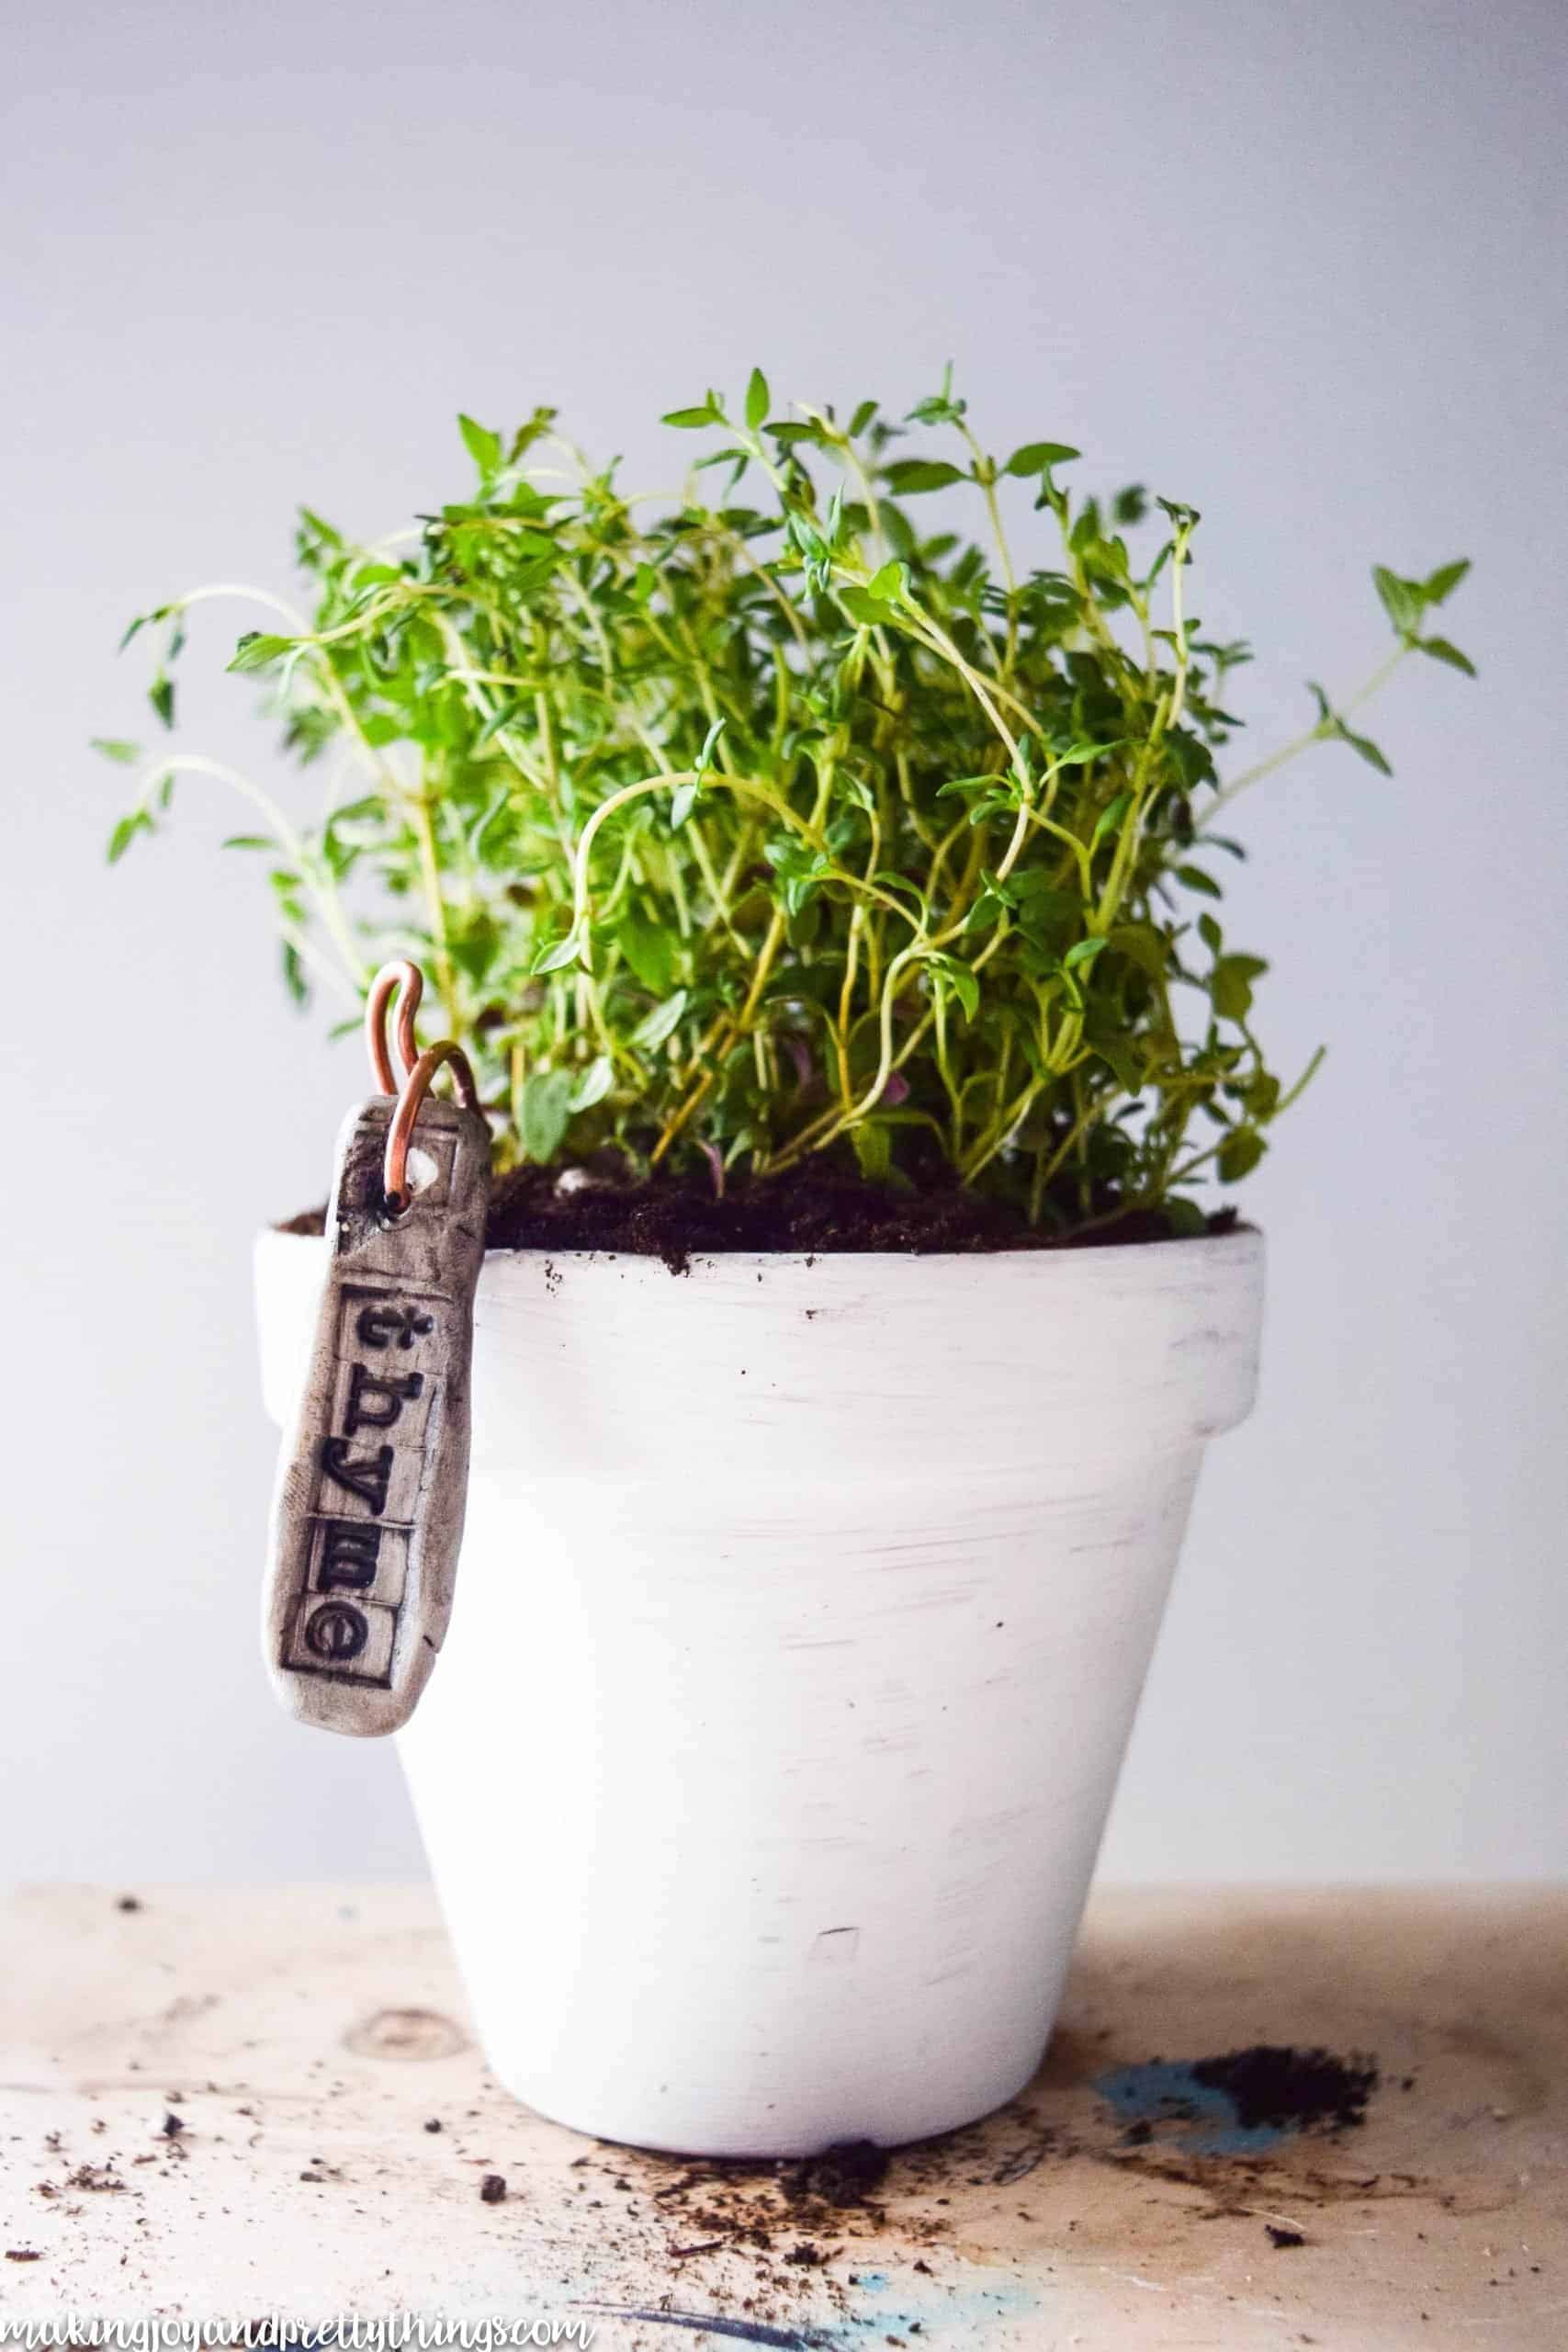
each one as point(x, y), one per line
point(1243, 2102)
point(1291, 2089)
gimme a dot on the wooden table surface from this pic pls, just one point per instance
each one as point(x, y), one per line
point(223, 2104)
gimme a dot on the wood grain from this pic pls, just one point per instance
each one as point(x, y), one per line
point(308, 2038)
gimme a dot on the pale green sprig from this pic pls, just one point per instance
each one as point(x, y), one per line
point(768, 819)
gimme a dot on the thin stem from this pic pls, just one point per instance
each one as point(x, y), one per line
point(318, 885)
point(1321, 733)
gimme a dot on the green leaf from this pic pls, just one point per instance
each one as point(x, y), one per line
point(683, 799)
point(1185, 517)
point(1332, 729)
point(1035, 456)
point(950, 974)
point(546, 1108)
point(480, 834)
point(115, 747)
point(869, 611)
point(873, 1141)
point(1366, 750)
point(939, 407)
point(1402, 600)
point(862, 418)
point(1239, 1155)
point(988, 909)
point(1441, 650)
point(1230, 985)
point(909, 475)
point(758, 398)
point(294, 978)
point(807, 539)
point(160, 695)
point(321, 530)
point(503, 715)
point(565, 951)
point(649, 950)
point(482, 446)
point(890, 581)
point(594, 1085)
point(710, 745)
point(248, 841)
point(1082, 952)
point(689, 420)
point(475, 946)
point(1120, 1060)
point(1082, 755)
point(1084, 537)
point(1143, 946)
point(256, 650)
point(1186, 1220)
point(1196, 879)
point(125, 832)
point(1440, 585)
point(660, 1024)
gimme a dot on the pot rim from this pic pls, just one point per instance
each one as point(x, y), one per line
point(616, 1351)
point(1048, 1253)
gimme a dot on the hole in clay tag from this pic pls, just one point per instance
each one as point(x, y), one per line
point(422, 1170)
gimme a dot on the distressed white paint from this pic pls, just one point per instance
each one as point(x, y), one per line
point(803, 1612)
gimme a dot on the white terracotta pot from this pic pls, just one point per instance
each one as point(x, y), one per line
point(803, 1611)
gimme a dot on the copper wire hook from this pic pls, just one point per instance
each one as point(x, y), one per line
point(415, 1087)
point(406, 981)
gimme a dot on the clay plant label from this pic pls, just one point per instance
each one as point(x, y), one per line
point(367, 1515)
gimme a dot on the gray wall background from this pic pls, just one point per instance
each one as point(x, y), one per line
point(1303, 267)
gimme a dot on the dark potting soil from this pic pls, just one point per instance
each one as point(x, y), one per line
point(845, 2174)
point(811, 1209)
point(1281, 2090)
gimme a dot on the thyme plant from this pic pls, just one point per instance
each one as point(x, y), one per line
point(767, 820)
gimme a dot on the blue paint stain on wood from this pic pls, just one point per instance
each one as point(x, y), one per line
point(1242, 2102)
point(945, 2311)
point(1162, 2091)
